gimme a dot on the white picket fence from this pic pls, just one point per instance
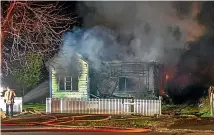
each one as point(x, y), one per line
point(212, 104)
point(17, 107)
point(104, 106)
point(211, 98)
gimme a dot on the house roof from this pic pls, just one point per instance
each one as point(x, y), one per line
point(53, 62)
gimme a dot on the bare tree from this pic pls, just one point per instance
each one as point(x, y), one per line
point(31, 27)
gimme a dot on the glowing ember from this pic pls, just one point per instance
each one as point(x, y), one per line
point(162, 92)
point(167, 77)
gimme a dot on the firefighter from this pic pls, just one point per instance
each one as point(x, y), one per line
point(9, 101)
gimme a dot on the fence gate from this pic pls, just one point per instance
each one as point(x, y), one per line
point(128, 105)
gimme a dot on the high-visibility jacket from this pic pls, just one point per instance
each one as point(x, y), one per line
point(9, 97)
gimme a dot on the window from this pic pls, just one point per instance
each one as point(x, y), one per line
point(68, 84)
point(61, 84)
point(126, 84)
point(122, 84)
point(75, 84)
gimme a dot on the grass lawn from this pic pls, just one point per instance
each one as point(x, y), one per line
point(184, 109)
point(169, 122)
point(116, 123)
point(37, 107)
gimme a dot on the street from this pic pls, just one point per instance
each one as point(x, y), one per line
point(91, 133)
point(80, 133)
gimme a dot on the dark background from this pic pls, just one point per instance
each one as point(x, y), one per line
point(201, 52)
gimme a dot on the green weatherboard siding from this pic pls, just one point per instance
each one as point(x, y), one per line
point(82, 84)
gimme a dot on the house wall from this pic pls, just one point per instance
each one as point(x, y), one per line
point(144, 84)
point(83, 89)
point(144, 76)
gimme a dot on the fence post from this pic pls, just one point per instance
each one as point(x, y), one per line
point(211, 103)
point(61, 105)
point(21, 104)
point(160, 103)
point(48, 105)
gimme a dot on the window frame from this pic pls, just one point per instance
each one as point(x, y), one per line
point(64, 84)
point(65, 81)
point(126, 84)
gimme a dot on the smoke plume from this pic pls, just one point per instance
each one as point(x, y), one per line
point(66, 62)
point(142, 31)
point(133, 31)
point(146, 31)
point(195, 68)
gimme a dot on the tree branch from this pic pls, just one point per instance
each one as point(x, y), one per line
point(31, 27)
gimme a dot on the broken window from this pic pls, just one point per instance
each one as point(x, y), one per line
point(126, 84)
point(122, 84)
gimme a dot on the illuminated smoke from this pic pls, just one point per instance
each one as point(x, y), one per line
point(146, 29)
point(189, 23)
point(131, 31)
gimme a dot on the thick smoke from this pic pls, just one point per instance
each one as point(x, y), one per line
point(132, 31)
point(94, 45)
point(195, 71)
point(150, 31)
point(142, 31)
point(195, 68)
point(66, 62)
point(146, 31)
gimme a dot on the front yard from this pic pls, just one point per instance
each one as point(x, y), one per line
point(188, 117)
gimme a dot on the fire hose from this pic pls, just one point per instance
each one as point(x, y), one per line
point(79, 130)
point(52, 122)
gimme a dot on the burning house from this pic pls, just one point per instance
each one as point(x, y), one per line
point(116, 79)
point(103, 68)
point(139, 80)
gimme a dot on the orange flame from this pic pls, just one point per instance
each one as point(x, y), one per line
point(167, 77)
point(162, 92)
